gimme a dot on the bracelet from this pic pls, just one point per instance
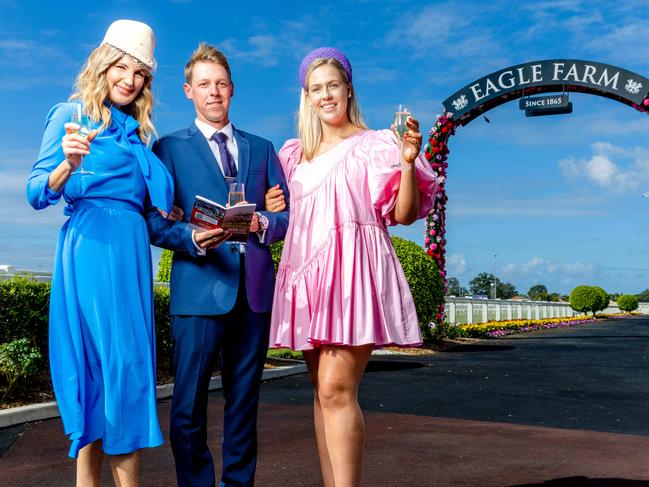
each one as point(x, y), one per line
point(408, 164)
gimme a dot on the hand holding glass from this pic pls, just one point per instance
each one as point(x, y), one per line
point(84, 124)
point(237, 194)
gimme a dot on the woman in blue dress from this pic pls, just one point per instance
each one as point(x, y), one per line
point(102, 335)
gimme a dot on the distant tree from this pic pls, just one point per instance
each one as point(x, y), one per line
point(506, 290)
point(643, 296)
point(483, 283)
point(554, 297)
point(628, 302)
point(454, 288)
point(538, 292)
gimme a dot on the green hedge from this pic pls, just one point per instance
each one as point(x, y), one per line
point(163, 340)
point(422, 274)
point(426, 284)
point(25, 308)
point(164, 268)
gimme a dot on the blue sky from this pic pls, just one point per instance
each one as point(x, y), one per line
point(556, 199)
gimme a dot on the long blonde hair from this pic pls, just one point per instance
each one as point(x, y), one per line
point(309, 126)
point(91, 88)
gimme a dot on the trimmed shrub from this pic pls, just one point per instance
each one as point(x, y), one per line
point(276, 253)
point(163, 340)
point(25, 305)
point(445, 331)
point(18, 359)
point(588, 299)
point(604, 299)
point(422, 274)
point(164, 267)
point(628, 302)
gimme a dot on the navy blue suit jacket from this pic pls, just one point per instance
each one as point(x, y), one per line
point(207, 285)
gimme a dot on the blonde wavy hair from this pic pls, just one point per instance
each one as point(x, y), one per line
point(91, 88)
point(309, 126)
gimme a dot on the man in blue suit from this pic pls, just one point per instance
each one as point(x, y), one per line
point(221, 292)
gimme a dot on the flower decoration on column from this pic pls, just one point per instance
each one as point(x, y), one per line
point(436, 152)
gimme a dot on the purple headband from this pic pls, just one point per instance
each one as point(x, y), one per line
point(324, 53)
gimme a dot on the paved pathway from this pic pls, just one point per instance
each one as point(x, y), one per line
point(565, 407)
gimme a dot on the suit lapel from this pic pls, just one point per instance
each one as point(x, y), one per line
point(243, 147)
point(202, 148)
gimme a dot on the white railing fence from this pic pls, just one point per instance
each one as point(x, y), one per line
point(477, 310)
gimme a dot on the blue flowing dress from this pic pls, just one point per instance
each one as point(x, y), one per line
point(101, 333)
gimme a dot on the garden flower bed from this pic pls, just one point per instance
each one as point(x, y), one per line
point(496, 329)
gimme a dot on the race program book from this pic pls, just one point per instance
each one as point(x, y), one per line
point(208, 215)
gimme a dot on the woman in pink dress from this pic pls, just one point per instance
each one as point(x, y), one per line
point(340, 290)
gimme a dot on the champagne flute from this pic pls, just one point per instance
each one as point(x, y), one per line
point(237, 194)
point(84, 124)
point(400, 127)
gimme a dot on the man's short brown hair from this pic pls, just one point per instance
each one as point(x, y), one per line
point(206, 53)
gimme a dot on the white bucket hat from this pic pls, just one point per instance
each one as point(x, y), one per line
point(133, 38)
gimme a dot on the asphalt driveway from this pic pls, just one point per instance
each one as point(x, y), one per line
point(563, 407)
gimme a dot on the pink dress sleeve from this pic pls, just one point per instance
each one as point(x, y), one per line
point(289, 157)
point(384, 176)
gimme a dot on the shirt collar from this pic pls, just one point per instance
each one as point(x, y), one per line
point(207, 130)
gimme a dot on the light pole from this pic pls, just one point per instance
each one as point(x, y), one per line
point(495, 278)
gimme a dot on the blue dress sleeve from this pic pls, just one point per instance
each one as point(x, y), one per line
point(50, 156)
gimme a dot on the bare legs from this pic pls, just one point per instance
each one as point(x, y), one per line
point(335, 373)
point(125, 468)
point(89, 463)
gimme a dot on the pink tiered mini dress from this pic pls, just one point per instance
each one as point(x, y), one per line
point(339, 280)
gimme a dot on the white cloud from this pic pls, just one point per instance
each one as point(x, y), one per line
point(563, 207)
point(259, 49)
point(532, 265)
point(579, 269)
point(555, 275)
point(432, 33)
point(455, 265)
point(612, 167)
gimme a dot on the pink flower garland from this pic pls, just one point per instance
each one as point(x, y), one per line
point(436, 152)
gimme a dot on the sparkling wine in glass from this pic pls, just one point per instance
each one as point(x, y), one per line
point(400, 117)
point(83, 121)
point(400, 127)
point(237, 194)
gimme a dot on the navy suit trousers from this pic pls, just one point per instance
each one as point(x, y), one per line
point(240, 337)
